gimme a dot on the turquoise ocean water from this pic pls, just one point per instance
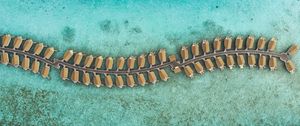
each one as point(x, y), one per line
point(124, 28)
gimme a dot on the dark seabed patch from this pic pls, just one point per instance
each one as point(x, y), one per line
point(109, 26)
point(280, 27)
point(209, 29)
point(127, 43)
point(68, 34)
point(22, 106)
point(136, 30)
point(126, 23)
point(173, 38)
point(163, 118)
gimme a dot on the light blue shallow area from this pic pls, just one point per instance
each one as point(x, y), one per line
point(123, 28)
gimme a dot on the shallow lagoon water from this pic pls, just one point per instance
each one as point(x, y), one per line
point(124, 28)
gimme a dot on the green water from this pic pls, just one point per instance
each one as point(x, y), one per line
point(124, 28)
